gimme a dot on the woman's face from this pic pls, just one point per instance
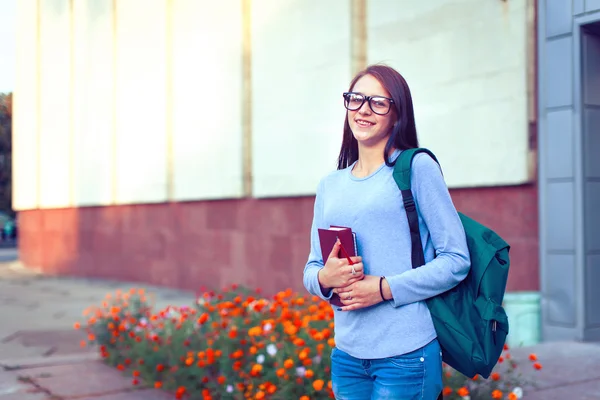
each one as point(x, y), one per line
point(370, 129)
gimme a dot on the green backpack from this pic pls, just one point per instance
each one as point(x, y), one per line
point(469, 319)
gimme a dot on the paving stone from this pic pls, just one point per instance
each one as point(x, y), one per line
point(79, 380)
point(583, 391)
point(54, 360)
point(12, 388)
point(145, 394)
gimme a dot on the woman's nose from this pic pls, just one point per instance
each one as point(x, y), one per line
point(365, 108)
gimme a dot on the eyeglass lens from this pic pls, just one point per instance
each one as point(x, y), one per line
point(379, 105)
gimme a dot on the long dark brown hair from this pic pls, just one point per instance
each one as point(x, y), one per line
point(404, 130)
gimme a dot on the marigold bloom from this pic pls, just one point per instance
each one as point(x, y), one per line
point(533, 357)
point(318, 384)
point(447, 391)
point(537, 366)
point(289, 363)
point(496, 394)
point(512, 396)
point(221, 380)
point(157, 385)
point(463, 391)
point(495, 376)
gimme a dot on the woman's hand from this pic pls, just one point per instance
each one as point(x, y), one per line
point(360, 294)
point(337, 272)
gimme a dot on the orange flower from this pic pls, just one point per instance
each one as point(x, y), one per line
point(447, 391)
point(221, 380)
point(77, 325)
point(259, 395)
point(309, 373)
point(318, 384)
point(537, 366)
point(288, 363)
point(533, 357)
point(463, 391)
point(180, 392)
point(495, 376)
point(496, 394)
point(160, 367)
point(512, 396)
point(203, 318)
point(157, 385)
point(305, 398)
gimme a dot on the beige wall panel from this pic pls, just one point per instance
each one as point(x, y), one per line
point(25, 139)
point(466, 64)
point(300, 67)
point(55, 104)
point(93, 102)
point(141, 147)
point(207, 93)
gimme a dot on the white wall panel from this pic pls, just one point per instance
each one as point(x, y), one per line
point(207, 93)
point(140, 101)
point(25, 139)
point(93, 102)
point(466, 64)
point(55, 106)
point(300, 67)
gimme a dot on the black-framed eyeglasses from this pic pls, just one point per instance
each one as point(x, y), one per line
point(380, 105)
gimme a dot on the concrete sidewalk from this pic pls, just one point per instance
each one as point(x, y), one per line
point(40, 357)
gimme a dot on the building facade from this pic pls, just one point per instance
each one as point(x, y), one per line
point(180, 142)
point(569, 177)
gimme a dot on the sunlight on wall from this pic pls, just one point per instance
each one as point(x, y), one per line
point(55, 101)
point(25, 116)
point(466, 64)
point(300, 67)
point(141, 157)
point(93, 103)
point(207, 111)
point(141, 101)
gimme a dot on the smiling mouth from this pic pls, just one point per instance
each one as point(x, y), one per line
point(363, 123)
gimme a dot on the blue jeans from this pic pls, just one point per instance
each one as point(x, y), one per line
point(415, 375)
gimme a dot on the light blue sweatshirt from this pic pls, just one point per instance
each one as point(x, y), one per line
point(372, 206)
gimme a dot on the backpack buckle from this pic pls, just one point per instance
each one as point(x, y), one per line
point(409, 204)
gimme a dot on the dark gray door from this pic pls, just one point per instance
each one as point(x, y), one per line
point(590, 130)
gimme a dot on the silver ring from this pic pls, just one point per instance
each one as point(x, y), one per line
point(353, 270)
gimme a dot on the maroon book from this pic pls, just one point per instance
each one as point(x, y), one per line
point(327, 238)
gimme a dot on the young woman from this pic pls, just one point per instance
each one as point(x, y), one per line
point(386, 346)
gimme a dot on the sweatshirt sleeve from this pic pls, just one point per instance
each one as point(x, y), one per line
point(315, 260)
point(447, 234)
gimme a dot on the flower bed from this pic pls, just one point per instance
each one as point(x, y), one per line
point(237, 344)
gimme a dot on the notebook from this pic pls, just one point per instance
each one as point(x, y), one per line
point(327, 238)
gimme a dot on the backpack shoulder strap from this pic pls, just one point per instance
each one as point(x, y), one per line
point(401, 174)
